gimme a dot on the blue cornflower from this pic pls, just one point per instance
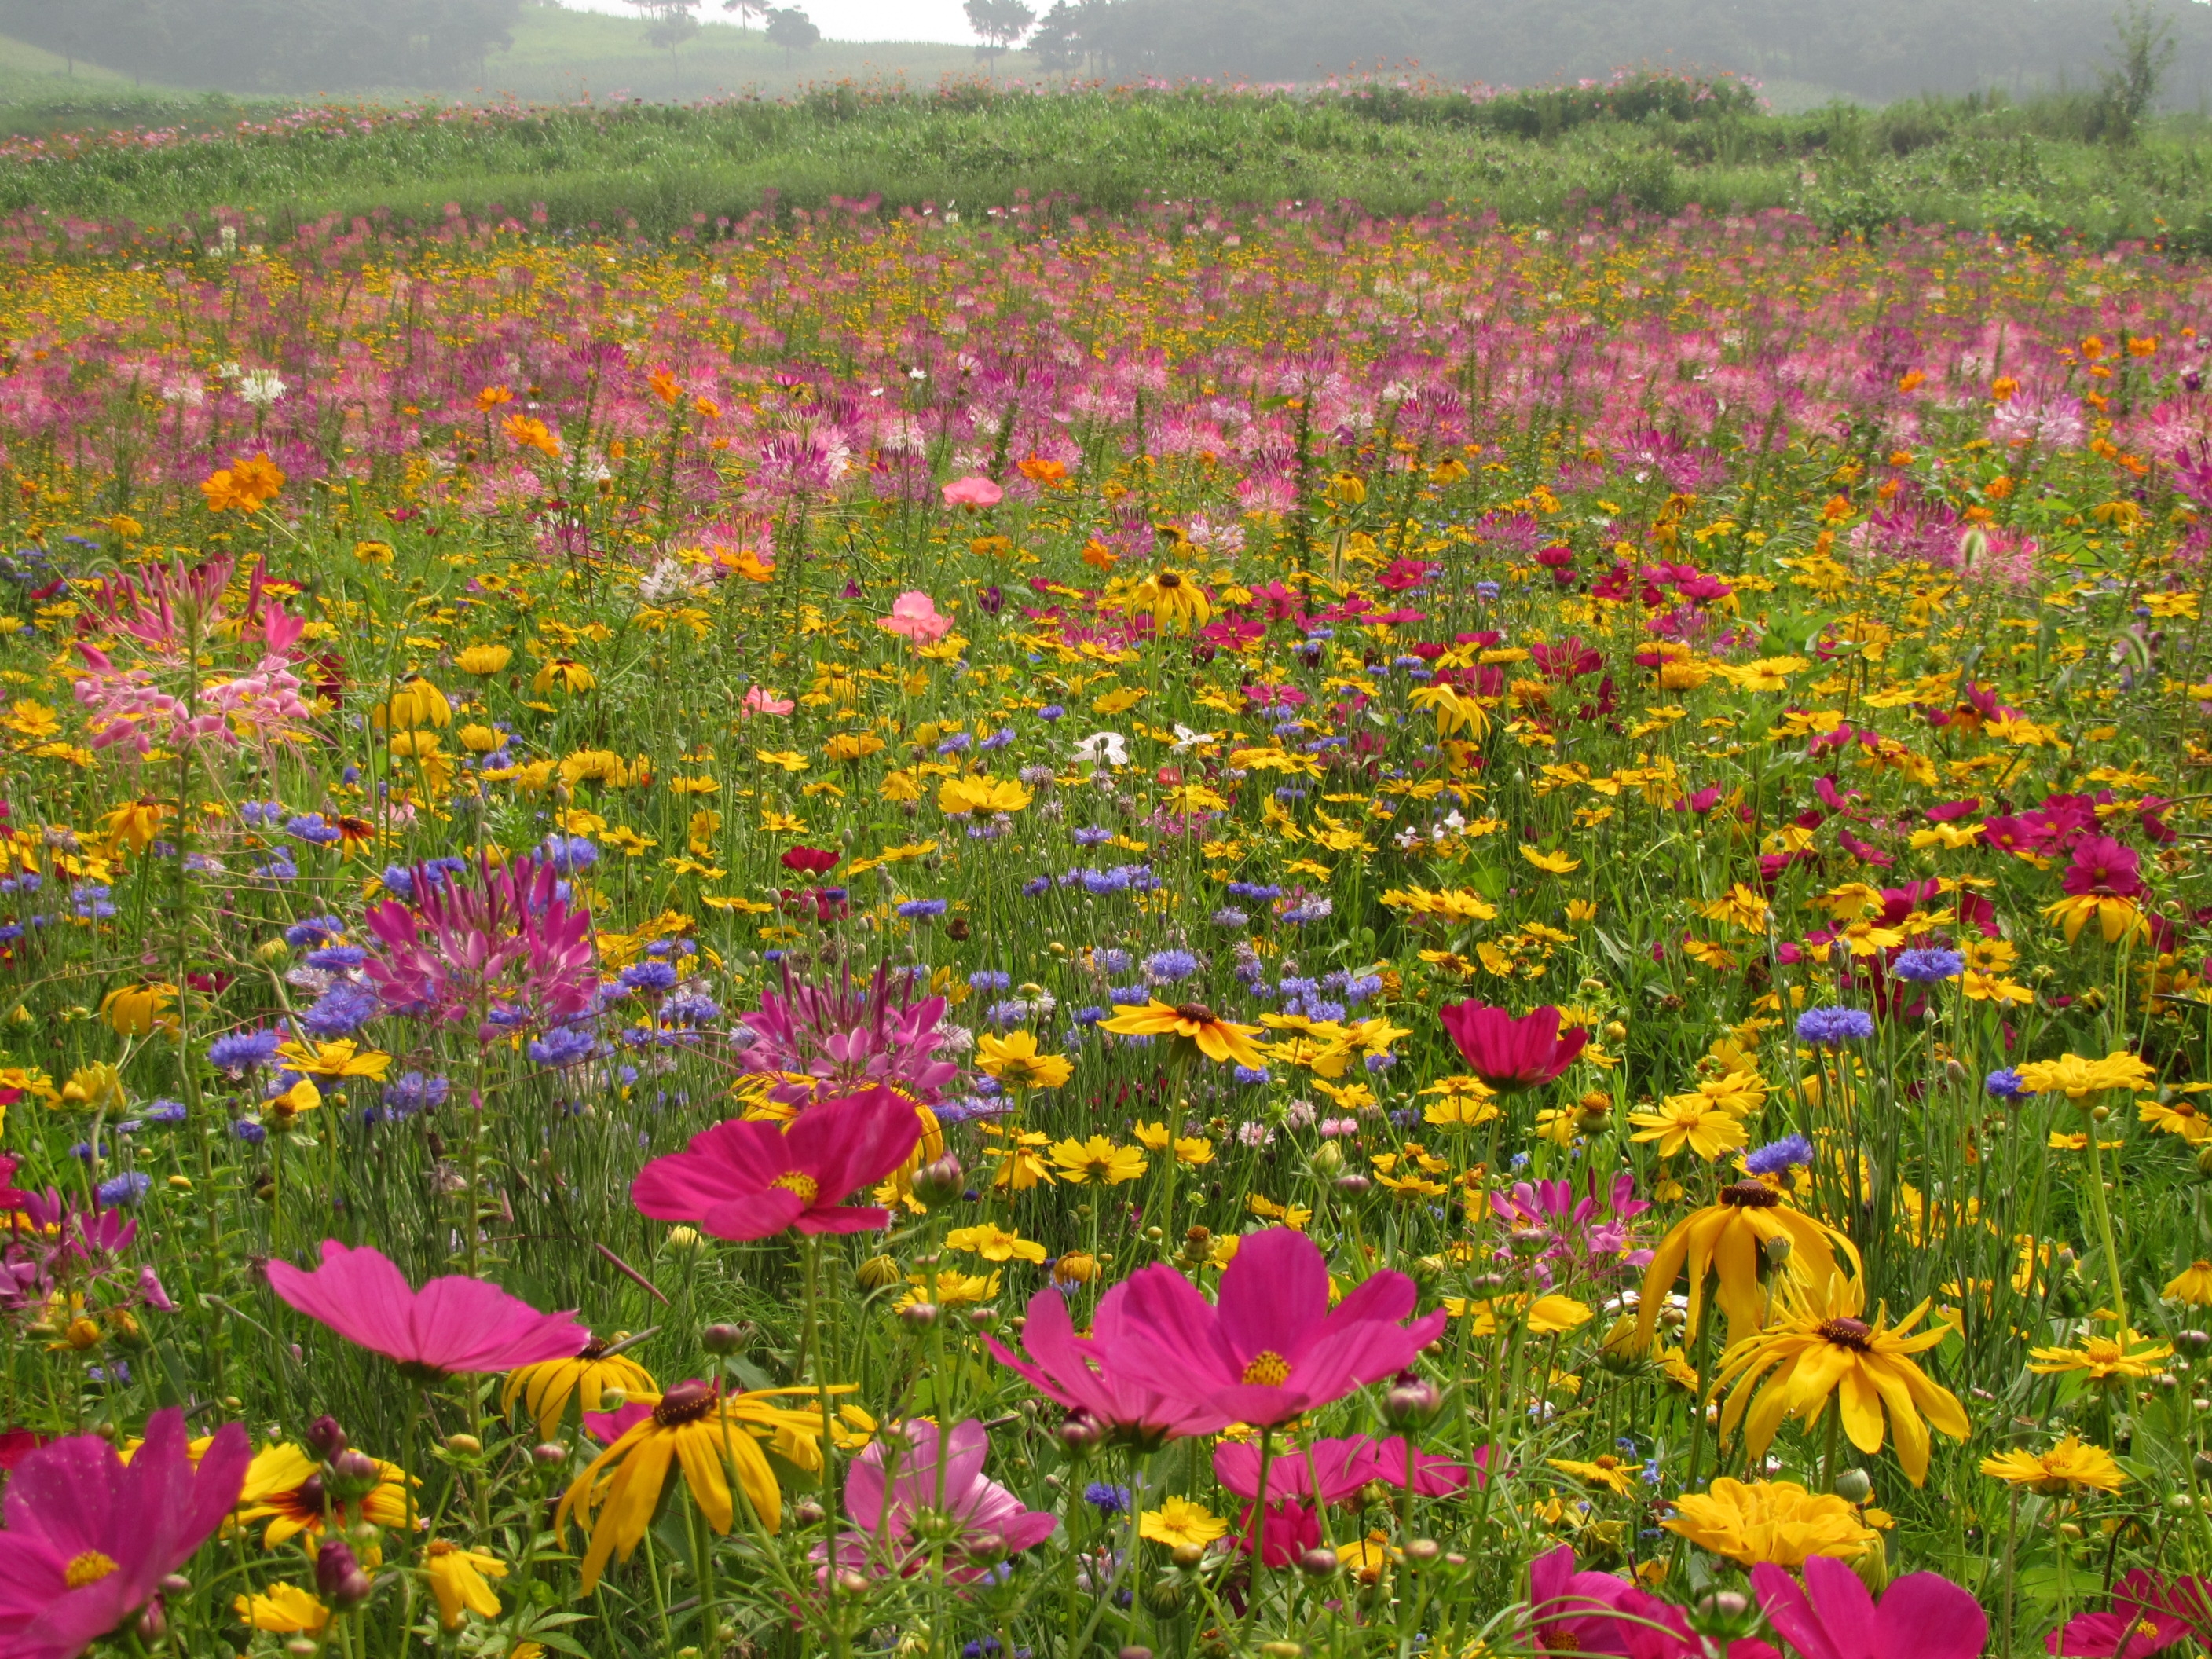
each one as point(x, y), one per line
point(563, 1047)
point(922, 908)
point(1036, 886)
point(1775, 1156)
point(341, 1010)
point(1051, 711)
point(244, 1051)
point(998, 739)
point(569, 853)
point(314, 930)
point(309, 826)
point(649, 976)
point(126, 1188)
point(336, 958)
point(1107, 1497)
point(1166, 967)
point(1831, 1028)
point(2004, 1084)
point(1925, 967)
point(1092, 836)
point(988, 979)
point(248, 1130)
point(955, 744)
point(412, 1092)
point(166, 1112)
point(1228, 916)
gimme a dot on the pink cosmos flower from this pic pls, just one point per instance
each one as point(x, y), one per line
point(1273, 1348)
point(1577, 1611)
point(759, 701)
point(506, 940)
point(89, 1538)
point(1511, 1054)
point(891, 1507)
point(974, 491)
point(1584, 1229)
point(914, 618)
point(2148, 1615)
point(1923, 1615)
point(2102, 865)
point(741, 1180)
point(454, 1324)
point(1075, 1371)
point(1333, 1470)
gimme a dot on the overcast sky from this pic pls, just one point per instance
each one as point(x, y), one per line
point(847, 20)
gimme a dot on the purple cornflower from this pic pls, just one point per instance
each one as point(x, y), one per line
point(2004, 1084)
point(241, 1052)
point(1927, 966)
point(1775, 1156)
point(1832, 1028)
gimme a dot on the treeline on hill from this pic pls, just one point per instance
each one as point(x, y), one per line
point(1876, 50)
point(272, 46)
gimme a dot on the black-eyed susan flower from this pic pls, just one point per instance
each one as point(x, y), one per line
point(546, 1387)
point(1727, 1239)
point(1218, 1039)
point(458, 1580)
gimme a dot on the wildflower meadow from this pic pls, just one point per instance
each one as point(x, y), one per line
point(987, 932)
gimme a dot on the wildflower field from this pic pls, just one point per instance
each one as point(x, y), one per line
point(1239, 934)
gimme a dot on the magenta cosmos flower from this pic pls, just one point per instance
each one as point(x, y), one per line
point(1923, 1615)
point(506, 940)
point(1074, 1370)
point(452, 1324)
point(1573, 1611)
point(1273, 1348)
point(1511, 1054)
point(89, 1538)
point(892, 1509)
point(741, 1180)
point(2148, 1615)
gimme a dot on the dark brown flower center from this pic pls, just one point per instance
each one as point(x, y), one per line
point(595, 1349)
point(1848, 1332)
point(1750, 1196)
point(1196, 1012)
point(687, 1402)
point(1168, 579)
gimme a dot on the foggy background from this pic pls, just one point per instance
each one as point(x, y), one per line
point(1806, 51)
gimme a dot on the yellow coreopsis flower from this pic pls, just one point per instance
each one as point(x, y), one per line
point(1097, 1159)
point(2078, 1079)
point(2071, 1466)
point(1606, 1472)
point(484, 660)
point(1014, 1061)
point(341, 1058)
point(1776, 1523)
point(1703, 1124)
point(139, 1010)
point(2192, 1284)
point(1180, 1523)
point(981, 794)
point(951, 1288)
point(1825, 1348)
point(993, 1243)
point(2101, 1358)
point(567, 673)
point(457, 1579)
point(415, 703)
point(2117, 918)
point(1463, 1102)
point(1218, 1039)
point(286, 1609)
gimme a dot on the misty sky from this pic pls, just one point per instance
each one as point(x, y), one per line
point(848, 20)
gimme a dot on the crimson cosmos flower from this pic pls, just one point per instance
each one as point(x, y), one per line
point(751, 1180)
point(89, 1538)
point(809, 860)
point(455, 1323)
point(1923, 1615)
point(1273, 1349)
point(1075, 1371)
point(1511, 1054)
point(2147, 1616)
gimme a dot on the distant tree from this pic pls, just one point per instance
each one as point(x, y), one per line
point(790, 27)
point(670, 24)
point(746, 10)
point(2142, 51)
point(1057, 45)
point(1001, 23)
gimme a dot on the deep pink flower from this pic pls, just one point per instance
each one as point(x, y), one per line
point(454, 1324)
point(1333, 1470)
point(748, 1180)
point(974, 491)
point(914, 618)
point(1586, 1228)
point(1572, 1611)
point(845, 1038)
point(1273, 1349)
point(89, 1538)
point(2101, 865)
point(890, 1507)
point(1511, 1054)
point(1077, 1372)
point(506, 940)
point(1923, 1615)
point(2148, 1615)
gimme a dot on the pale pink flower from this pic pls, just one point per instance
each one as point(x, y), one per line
point(760, 702)
point(974, 491)
point(915, 617)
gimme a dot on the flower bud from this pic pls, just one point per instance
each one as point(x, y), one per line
point(940, 1183)
point(1187, 1555)
point(1134, 1653)
point(985, 1549)
point(613, 1400)
point(1163, 1598)
point(464, 1445)
point(1076, 1267)
point(175, 1584)
point(1852, 1486)
point(1353, 1186)
point(153, 1621)
point(878, 1273)
point(1317, 1563)
point(339, 1579)
point(1530, 1242)
point(1422, 1550)
point(807, 1512)
point(685, 1241)
point(853, 1583)
point(550, 1455)
point(918, 1316)
point(1081, 1432)
point(2193, 1342)
point(325, 1438)
point(720, 1339)
point(1328, 1159)
point(1413, 1402)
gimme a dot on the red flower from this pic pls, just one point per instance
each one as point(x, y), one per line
point(1511, 1054)
point(811, 860)
point(748, 1180)
point(455, 1323)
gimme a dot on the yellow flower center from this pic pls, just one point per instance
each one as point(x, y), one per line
point(438, 1546)
point(87, 1569)
point(798, 1182)
point(1267, 1370)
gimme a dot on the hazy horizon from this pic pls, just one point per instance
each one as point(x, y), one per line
point(935, 21)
